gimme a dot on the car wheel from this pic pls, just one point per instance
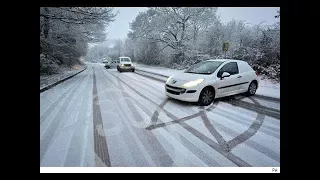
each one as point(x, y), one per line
point(132, 70)
point(120, 71)
point(252, 88)
point(206, 96)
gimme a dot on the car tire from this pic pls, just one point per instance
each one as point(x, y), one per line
point(252, 88)
point(120, 70)
point(132, 70)
point(206, 96)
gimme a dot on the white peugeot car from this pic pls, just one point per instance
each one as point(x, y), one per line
point(210, 79)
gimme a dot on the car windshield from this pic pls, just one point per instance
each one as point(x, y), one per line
point(205, 67)
point(125, 60)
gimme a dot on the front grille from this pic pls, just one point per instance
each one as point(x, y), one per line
point(127, 64)
point(173, 92)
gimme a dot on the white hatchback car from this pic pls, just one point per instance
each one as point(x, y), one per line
point(210, 79)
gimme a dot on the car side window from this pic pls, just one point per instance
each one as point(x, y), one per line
point(231, 68)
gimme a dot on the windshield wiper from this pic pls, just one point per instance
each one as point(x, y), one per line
point(191, 72)
point(198, 73)
point(204, 73)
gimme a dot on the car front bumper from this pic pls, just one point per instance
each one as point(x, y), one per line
point(183, 94)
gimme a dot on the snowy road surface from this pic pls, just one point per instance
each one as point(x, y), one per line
point(102, 117)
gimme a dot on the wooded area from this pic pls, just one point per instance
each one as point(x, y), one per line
point(66, 31)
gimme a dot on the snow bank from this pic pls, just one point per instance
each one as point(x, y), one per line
point(158, 70)
point(64, 72)
point(268, 87)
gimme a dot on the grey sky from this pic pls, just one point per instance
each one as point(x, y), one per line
point(120, 27)
point(253, 15)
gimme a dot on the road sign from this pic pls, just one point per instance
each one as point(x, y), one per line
point(225, 46)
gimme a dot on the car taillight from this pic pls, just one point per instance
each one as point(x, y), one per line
point(257, 73)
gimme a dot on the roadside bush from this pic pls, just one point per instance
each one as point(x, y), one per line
point(47, 65)
point(53, 55)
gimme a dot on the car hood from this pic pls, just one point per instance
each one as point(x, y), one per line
point(181, 78)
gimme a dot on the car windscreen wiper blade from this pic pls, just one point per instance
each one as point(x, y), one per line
point(197, 72)
point(203, 73)
point(191, 72)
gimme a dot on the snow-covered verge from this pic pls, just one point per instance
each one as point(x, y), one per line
point(267, 87)
point(63, 72)
point(158, 70)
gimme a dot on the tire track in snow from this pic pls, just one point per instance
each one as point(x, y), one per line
point(238, 161)
point(71, 88)
point(50, 132)
point(159, 155)
point(100, 143)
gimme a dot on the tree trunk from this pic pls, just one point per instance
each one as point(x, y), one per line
point(194, 34)
point(180, 42)
point(46, 24)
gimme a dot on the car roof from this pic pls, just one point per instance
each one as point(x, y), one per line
point(226, 60)
point(124, 57)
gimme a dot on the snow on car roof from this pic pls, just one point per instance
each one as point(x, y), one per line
point(124, 57)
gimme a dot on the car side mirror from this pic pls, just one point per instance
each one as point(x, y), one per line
point(225, 74)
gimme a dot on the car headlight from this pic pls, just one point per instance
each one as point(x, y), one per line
point(192, 83)
point(122, 65)
point(169, 79)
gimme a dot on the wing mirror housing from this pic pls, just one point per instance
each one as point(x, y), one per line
point(225, 74)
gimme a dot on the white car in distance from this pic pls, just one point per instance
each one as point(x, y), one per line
point(210, 79)
point(125, 64)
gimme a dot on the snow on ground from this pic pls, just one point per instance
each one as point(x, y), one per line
point(64, 73)
point(158, 70)
point(119, 107)
point(267, 86)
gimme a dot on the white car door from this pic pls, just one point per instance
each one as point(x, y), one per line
point(228, 85)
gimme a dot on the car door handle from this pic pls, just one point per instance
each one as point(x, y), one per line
point(239, 76)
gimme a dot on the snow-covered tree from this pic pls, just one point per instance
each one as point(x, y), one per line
point(173, 27)
point(179, 37)
point(66, 31)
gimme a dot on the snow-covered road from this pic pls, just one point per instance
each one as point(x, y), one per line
point(102, 117)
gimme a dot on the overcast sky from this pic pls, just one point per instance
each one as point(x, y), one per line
point(120, 27)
